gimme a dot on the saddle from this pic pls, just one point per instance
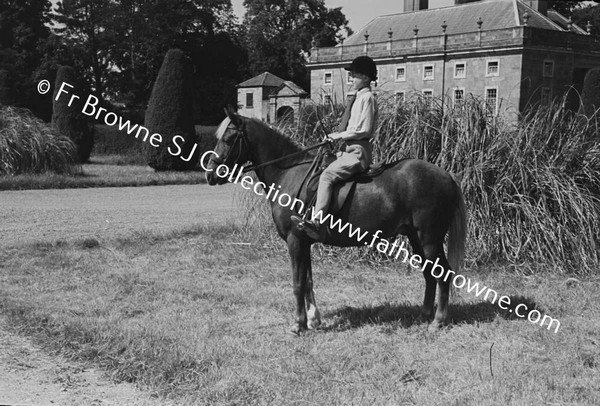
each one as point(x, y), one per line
point(341, 190)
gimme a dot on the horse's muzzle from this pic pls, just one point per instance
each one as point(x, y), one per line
point(213, 179)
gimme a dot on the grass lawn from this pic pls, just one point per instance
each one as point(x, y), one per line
point(201, 316)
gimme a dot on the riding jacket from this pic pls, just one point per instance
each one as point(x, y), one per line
point(362, 127)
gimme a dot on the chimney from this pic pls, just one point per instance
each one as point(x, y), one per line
point(541, 6)
point(411, 5)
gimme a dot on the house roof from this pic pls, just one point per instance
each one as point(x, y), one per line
point(263, 80)
point(293, 87)
point(495, 14)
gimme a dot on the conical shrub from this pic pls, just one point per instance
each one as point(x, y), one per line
point(170, 114)
point(69, 120)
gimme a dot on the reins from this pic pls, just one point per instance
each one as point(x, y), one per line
point(283, 158)
point(274, 161)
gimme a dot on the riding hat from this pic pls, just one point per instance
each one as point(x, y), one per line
point(365, 65)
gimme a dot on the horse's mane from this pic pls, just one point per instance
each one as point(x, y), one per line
point(279, 140)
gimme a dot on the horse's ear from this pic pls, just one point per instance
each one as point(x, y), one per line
point(235, 118)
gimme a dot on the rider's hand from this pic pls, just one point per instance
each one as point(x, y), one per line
point(333, 136)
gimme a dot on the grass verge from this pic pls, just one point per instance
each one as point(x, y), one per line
point(102, 171)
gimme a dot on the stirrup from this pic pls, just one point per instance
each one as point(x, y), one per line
point(307, 227)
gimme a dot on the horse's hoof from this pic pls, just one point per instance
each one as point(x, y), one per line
point(435, 326)
point(297, 330)
point(314, 324)
point(314, 317)
point(426, 315)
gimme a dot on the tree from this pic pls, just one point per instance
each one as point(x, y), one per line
point(170, 115)
point(7, 89)
point(278, 30)
point(23, 32)
point(67, 119)
point(121, 43)
point(591, 14)
point(565, 7)
point(87, 30)
point(204, 29)
point(219, 66)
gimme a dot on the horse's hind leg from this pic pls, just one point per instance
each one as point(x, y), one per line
point(430, 282)
point(436, 271)
point(299, 250)
point(312, 311)
point(443, 281)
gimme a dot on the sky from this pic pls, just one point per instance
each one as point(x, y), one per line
point(358, 12)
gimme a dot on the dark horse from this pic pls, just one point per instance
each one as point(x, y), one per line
point(412, 198)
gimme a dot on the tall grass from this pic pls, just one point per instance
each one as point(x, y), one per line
point(532, 186)
point(27, 145)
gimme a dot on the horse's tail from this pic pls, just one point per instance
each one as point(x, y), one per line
point(457, 233)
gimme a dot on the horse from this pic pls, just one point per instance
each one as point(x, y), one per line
point(412, 197)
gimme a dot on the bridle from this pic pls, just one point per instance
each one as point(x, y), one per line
point(240, 137)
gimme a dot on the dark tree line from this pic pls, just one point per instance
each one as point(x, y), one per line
point(118, 46)
point(24, 37)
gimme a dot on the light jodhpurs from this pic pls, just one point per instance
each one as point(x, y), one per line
point(346, 165)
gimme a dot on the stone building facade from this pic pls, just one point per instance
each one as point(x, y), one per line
point(511, 53)
point(270, 98)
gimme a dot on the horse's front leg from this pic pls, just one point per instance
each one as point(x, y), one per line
point(312, 311)
point(299, 250)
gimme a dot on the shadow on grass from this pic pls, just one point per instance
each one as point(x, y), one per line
point(405, 315)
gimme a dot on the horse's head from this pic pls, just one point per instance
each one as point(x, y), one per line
point(232, 148)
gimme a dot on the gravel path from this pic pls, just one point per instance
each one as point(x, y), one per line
point(30, 376)
point(49, 215)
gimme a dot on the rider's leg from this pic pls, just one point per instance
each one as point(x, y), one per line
point(340, 169)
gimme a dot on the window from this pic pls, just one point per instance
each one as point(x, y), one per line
point(546, 96)
point(327, 99)
point(327, 78)
point(399, 97)
point(428, 93)
point(249, 100)
point(492, 68)
point(400, 73)
point(548, 69)
point(428, 72)
point(459, 96)
point(491, 100)
point(460, 70)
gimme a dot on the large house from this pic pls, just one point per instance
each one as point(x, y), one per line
point(510, 52)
